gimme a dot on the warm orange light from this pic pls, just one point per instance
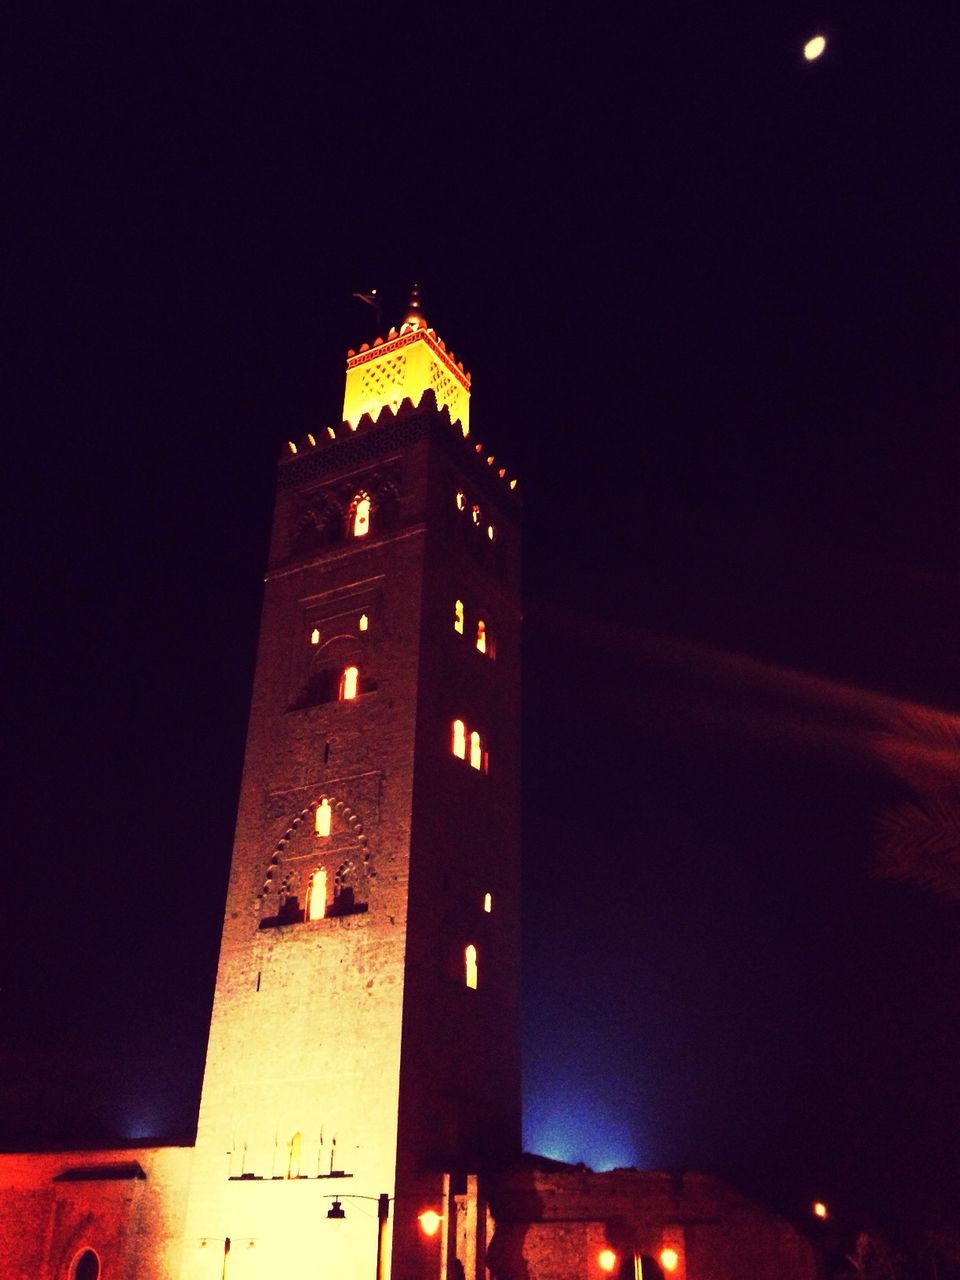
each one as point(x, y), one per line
point(349, 683)
point(669, 1259)
point(311, 438)
point(458, 617)
point(361, 516)
point(429, 1222)
point(819, 1209)
point(476, 751)
point(321, 822)
point(291, 446)
point(475, 514)
point(461, 500)
point(317, 895)
point(488, 902)
point(459, 739)
point(364, 622)
point(813, 48)
point(481, 636)
point(607, 1260)
point(315, 635)
point(470, 960)
point(491, 532)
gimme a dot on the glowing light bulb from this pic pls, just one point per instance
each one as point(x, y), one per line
point(819, 1209)
point(813, 48)
point(669, 1259)
point(607, 1260)
point(429, 1222)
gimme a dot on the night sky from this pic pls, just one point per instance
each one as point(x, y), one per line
point(708, 295)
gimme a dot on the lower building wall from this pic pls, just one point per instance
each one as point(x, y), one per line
point(127, 1206)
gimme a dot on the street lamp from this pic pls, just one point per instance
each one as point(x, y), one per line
point(429, 1221)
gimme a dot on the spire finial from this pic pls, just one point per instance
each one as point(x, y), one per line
point(414, 310)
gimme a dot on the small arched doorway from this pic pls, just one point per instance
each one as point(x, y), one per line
point(86, 1266)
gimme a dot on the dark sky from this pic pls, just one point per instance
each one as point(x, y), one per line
point(708, 295)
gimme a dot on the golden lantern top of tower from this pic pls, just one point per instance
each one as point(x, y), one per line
point(403, 365)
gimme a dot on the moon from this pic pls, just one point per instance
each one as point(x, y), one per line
point(814, 47)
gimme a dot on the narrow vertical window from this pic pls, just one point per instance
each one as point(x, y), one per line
point(476, 751)
point(470, 965)
point(317, 895)
point(488, 902)
point(293, 1160)
point(458, 617)
point(459, 739)
point(349, 683)
point(315, 635)
point(461, 500)
point(491, 533)
point(360, 516)
point(482, 636)
point(364, 622)
point(322, 819)
point(475, 514)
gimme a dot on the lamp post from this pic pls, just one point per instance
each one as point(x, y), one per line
point(336, 1212)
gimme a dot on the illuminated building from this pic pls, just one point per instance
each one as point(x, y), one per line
point(360, 1109)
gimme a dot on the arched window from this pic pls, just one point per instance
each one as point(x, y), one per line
point(461, 500)
point(360, 516)
point(293, 1157)
point(317, 895)
point(476, 751)
point(322, 819)
point(470, 966)
point(458, 617)
point(459, 739)
point(482, 636)
point(475, 514)
point(349, 684)
point(488, 902)
point(87, 1266)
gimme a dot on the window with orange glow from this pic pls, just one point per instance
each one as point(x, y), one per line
point(491, 533)
point(317, 895)
point(364, 622)
point(470, 966)
point(459, 739)
point(461, 500)
point(322, 820)
point(475, 515)
point(476, 751)
point(482, 636)
point(458, 617)
point(349, 684)
point(315, 635)
point(360, 516)
point(488, 902)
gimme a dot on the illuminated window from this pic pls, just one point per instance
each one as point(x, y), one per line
point(491, 533)
point(470, 963)
point(488, 902)
point(349, 683)
point(482, 636)
point(461, 500)
point(459, 739)
point(475, 515)
point(87, 1266)
point(315, 635)
point(476, 751)
point(322, 819)
point(364, 622)
point(360, 516)
point(293, 1157)
point(458, 617)
point(317, 895)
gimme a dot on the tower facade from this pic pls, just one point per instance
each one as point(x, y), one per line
point(364, 1037)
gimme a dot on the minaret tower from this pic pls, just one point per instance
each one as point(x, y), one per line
point(364, 1039)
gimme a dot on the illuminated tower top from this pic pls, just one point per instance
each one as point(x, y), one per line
point(405, 364)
